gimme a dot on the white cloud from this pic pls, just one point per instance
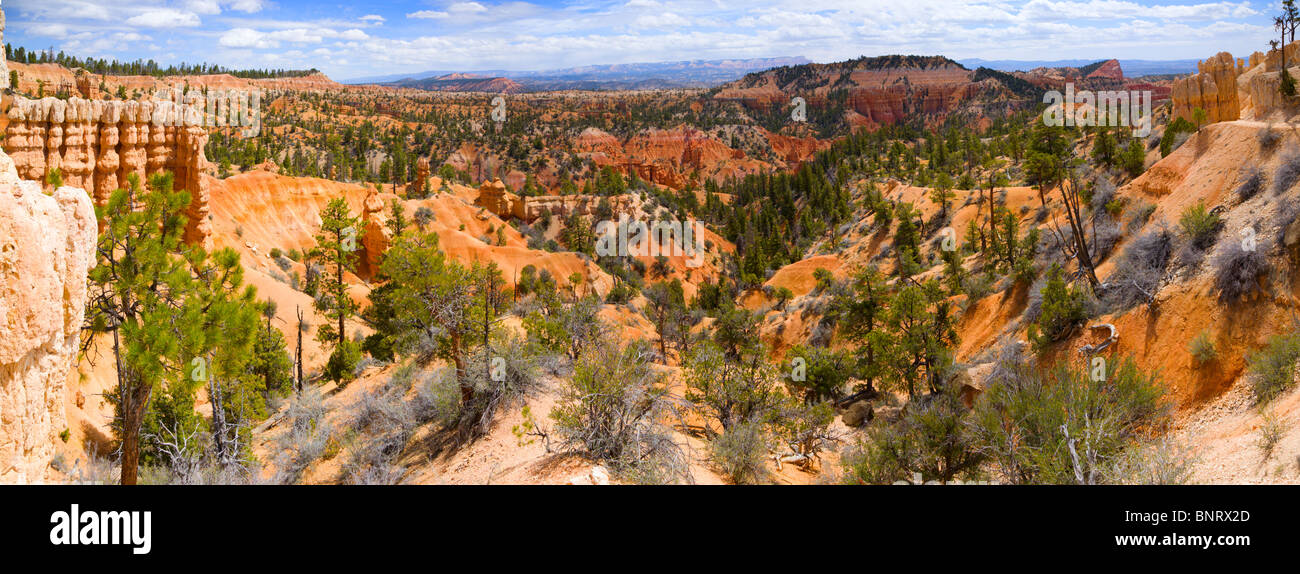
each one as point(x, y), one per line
point(205, 7)
point(256, 39)
point(466, 8)
point(164, 18)
point(1118, 9)
point(48, 30)
point(246, 38)
point(662, 20)
point(428, 15)
point(529, 34)
point(247, 6)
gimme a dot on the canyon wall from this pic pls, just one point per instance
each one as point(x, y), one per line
point(47, 245)
point(1213, 89)
point(97, 144)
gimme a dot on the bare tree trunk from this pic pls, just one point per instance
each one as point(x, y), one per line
point(218, 419)
point(298, 353)
point(466, 390)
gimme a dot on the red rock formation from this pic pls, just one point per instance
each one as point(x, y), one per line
point(1110, 70)
point(375, 237)
point(97, 144)
point(1213, 89)
point(418, 187)
point(881, 91)
point(494, 197)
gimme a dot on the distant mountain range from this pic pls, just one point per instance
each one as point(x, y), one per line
point(693, 74)
point(649, 75)
point(1132, 68)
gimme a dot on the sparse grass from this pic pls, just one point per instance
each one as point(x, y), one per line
point(1157, 463)
point(1271, 431)
point(1202, 348)
point(307, 439)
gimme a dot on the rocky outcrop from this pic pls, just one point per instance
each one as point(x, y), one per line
point(375, 237)
point(494, 197)
point(47, 245)
point(420, 186)
point(1213, 89)
point(1273, 60)
point(98, 144)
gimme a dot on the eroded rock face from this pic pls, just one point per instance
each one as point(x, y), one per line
point(98, 144)
point(1213, 89)
point(375, 237)
point(47, 245)
point(494, 197)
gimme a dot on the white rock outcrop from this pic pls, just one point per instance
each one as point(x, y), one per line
point(47, 246)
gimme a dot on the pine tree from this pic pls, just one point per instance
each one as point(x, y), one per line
point(137, 289)
point(336, 250)
point(435, 299)
point(860, 314)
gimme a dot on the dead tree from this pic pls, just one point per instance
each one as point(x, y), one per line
point(1076, 246)
point(298, 354)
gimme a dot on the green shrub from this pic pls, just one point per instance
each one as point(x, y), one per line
point(1027, 420)
point(611, 407)
point(741, 454)
point(929, 440)
point(342, 364)
point(1202, 348)
point(1200, 225)
point(1062, 310)
point(824, 279)
point(1272, 368)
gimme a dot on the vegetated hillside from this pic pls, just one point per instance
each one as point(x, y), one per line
point(923, 298)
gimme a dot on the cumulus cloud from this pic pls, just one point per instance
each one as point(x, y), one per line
point(428, 15)
point(1119, 9)
point(661, 20)
point(49, 30)
point(245, 38)
point(529, 34)
point(164, 18)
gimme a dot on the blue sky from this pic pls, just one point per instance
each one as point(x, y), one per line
point(366, 38)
